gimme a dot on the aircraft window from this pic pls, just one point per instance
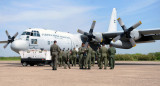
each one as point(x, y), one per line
point(35, 33)
point(28, 33)
point(48, 42)
point(27, 38)
point(24, 33)
point(38, 34)
point(34, 41)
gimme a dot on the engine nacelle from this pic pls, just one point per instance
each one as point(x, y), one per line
point(135, 34)
point(121, 44)
point(98, 37)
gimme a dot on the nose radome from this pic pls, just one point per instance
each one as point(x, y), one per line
point(19, 45)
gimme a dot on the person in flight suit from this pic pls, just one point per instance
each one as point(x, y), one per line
point(111, 55)
point(98, 56)
point(70, 56)
point(88, 58)
point(60, 58)
point(74, 56)
point(93, 54)
point(103, 59)
point(65, 58)
point(54, 49)
point(82, 56)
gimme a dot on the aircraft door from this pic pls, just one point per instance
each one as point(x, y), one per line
point(33, 44)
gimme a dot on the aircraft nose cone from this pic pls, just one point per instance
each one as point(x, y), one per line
point(19, 45)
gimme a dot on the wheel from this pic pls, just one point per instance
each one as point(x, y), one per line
point(24, 64)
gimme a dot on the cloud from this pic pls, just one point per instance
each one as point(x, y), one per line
point(136, 7)
point(51, 14)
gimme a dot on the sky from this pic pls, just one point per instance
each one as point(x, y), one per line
point(69, 15)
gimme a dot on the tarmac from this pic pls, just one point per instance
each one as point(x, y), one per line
point(126, 73)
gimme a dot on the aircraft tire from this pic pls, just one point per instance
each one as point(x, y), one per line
point(24, 64)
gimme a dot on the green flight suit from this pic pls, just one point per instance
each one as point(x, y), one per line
point(60, 59)
point(65, 58)
point(98, 57)
point(82, 57)
point(93, 54)
point(103, 59)
point(74, 57)
point(70, 57)
point(88, 58)
point(79, 56)
point(54, 49)
point(111, 53)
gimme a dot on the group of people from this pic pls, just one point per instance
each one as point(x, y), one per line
point(85, 56)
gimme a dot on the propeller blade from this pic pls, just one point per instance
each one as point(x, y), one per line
point(6, 45)
point(116, 38)
point(133, 43)
point(7, 33)
point(3, 41)
point(121, 24)
point(80, 31)
point(135, 26)
point(15, 35)
point(92, 27)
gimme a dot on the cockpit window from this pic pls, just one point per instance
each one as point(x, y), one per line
point(26, 33)
point(35, 33)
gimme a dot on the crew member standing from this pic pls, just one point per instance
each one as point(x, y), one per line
point(111, 53)
point(60, 58)
point(103, 58)
point(93, 54)
point(54, 49)
point(82, 56)
point(98, 56)
point(65, 57)
point(88, 58)
point(74, 56)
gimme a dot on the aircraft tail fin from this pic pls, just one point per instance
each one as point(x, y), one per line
point(113, 23)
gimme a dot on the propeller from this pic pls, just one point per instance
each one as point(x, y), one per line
point(10, 39)
point(127, 32)
point(90, 34)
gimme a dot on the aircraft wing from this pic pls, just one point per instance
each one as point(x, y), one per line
point(149, 35)
point(111, 34)
point(149, 32)
point(146, 35)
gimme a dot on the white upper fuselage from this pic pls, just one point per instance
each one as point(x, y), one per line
point(43, 39)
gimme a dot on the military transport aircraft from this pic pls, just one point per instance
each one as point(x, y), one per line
point(36, 38)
